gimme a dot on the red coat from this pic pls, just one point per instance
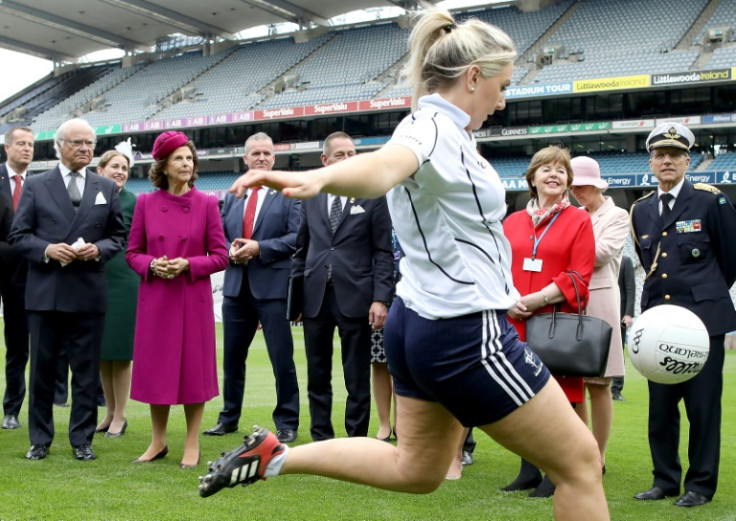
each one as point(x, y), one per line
point(568, 245)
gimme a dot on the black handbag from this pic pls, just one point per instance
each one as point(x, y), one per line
point(570, 344)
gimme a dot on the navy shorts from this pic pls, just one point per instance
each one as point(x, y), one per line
point(475, 365)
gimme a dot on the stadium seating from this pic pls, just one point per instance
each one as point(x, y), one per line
point(725, 161)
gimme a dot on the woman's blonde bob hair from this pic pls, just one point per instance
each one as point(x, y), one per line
point(441, 50)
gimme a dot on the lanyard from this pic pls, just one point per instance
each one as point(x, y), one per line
point(537, 241)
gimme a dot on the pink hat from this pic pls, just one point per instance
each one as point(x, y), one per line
point(167, 142)
point(587, 172)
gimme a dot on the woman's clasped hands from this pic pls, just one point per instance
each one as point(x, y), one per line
point(164, 268)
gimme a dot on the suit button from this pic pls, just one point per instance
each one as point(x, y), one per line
point(664, 255)
point(664, 234)
point(667, 297)
point(664, 275)
point(332, 249)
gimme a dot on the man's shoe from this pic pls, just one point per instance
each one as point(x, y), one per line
point(467, 458)
point(244, 465)
point(286, 435)
point(61, 404)
point(84, 453)
point(617, 397)
point(37, 452)
point(11, 422)
point(691, 499)
point(220, 429)
point(655, 494)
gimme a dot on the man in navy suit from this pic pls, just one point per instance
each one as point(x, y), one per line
point(68, 224)
point(345, 257)
point(19, 150)
point(684, 237)
point(261, 230)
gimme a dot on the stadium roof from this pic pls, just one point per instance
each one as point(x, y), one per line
point(63, 31)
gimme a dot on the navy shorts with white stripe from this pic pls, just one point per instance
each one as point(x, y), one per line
point(475, 365)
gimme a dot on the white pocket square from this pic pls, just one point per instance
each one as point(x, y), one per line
point(100, 199)
point(357, 209)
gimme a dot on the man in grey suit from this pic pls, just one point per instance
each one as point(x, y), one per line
point(261, 230)
point(19, 150)
point(68, 224)
point(345, 257)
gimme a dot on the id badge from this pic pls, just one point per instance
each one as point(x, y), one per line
point(532, 265)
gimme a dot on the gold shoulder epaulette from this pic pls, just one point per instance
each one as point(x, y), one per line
point(631, 216)
point(706, 187)
point(645, 196)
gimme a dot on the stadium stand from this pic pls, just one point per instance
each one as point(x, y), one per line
point(342, 69)
point(724, 15)
point(725, 161)
point(235, 83)
point(610, 51)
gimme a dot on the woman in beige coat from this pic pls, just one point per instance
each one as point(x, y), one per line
point(610, 227)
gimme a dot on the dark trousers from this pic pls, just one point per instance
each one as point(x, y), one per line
point(240, 320)
point(355, 339)
point(617, 382)
point(80, 334)
point(702, 397)
point(61, 389)
point(16, 344)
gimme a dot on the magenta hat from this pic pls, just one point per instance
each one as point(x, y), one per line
point(167, 142)
point(587, 172)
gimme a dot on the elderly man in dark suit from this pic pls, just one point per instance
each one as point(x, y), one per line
point(68, 224)
point(684, 237)
point(345, 257)
point(19, 150)
point(262, 233)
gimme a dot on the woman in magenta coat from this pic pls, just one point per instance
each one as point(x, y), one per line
point(549, 239)
point(176, 242)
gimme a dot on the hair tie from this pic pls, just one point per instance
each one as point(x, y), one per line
point(448, 28)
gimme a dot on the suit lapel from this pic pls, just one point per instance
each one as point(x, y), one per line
point(236, 215)
point(89, 196)
point(323, 211)
point(57, 189)
point(653, 211)
point(268, 198)
point(4, 180)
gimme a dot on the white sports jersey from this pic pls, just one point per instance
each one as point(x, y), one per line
point(448, 218)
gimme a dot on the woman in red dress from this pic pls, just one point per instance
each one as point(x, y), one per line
point(549, 240)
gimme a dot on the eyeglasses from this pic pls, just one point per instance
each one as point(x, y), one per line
point(77, 143)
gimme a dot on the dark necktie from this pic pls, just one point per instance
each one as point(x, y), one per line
point(250, 213)
point(73, 189)
point(17, 190)
point(666, 198)
point(335, 213)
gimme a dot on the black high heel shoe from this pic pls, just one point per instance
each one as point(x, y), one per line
point(109, 434)
point(160, 455)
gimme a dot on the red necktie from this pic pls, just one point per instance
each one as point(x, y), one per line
point(250, 213)
point(17, 190)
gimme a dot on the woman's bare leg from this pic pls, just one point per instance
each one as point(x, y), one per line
point(193, 413)
point(547, 432)
point(120, 392)
point(382, 395)
point(159, 421)
point(601, 405)
point(456, 467)
point(107, 388)
point(418, 463)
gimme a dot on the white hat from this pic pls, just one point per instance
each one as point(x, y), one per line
point(587, 172)
point(670, 134)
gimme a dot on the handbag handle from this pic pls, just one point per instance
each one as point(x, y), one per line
point(553, 322)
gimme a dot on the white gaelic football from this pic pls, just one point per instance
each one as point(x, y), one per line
point(668, 344)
